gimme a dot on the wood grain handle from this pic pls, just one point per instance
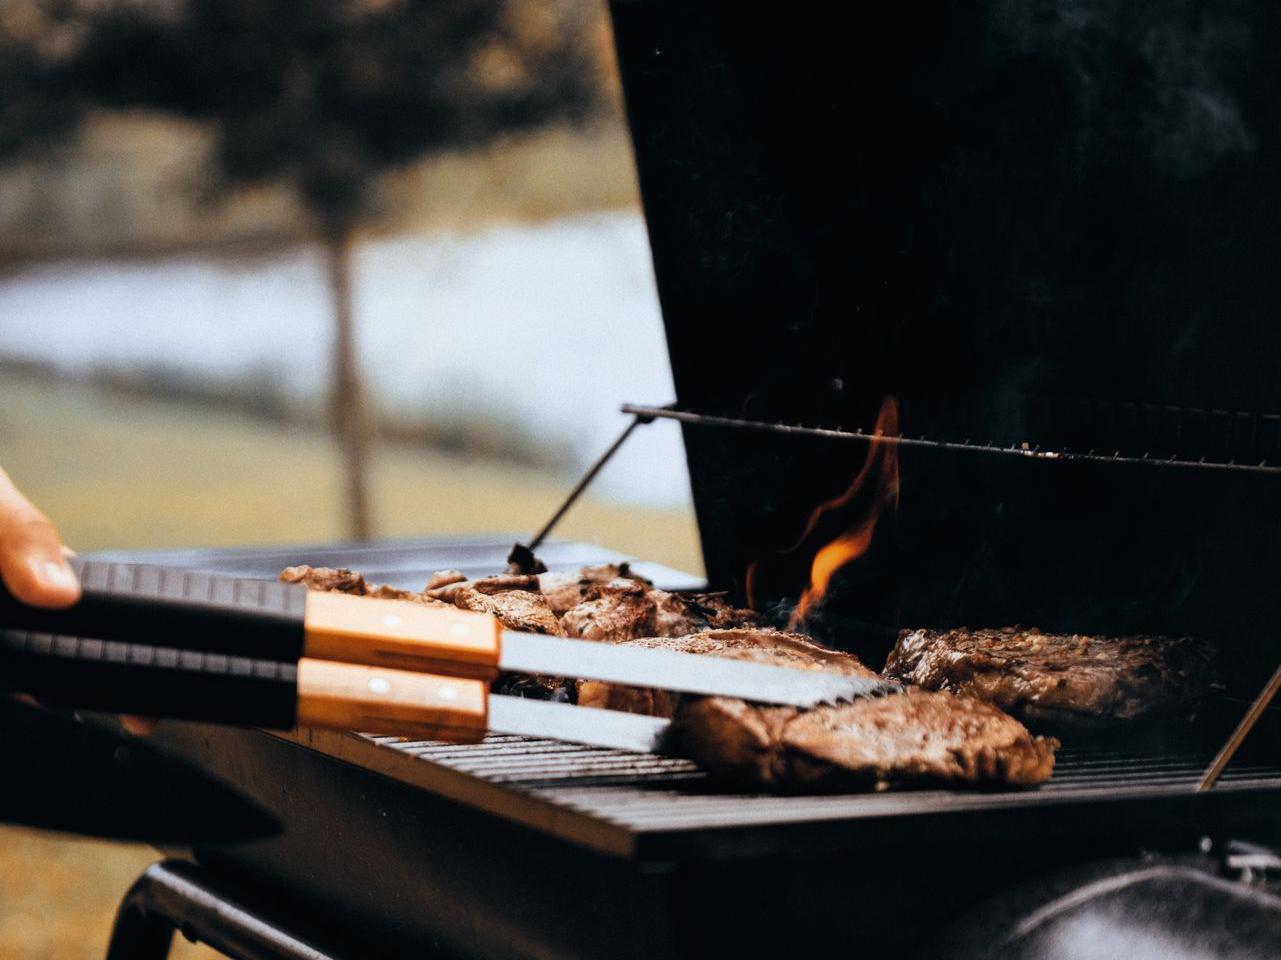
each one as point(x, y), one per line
point(402, 635)
point(345, 696)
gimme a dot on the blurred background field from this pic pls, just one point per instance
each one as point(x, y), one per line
point(262, 260)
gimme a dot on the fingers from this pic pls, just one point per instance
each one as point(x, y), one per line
point(32, 562)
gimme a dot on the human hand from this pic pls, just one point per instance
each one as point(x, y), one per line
point(33, 561)
point(33, 564)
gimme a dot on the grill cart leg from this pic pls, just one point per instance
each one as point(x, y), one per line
point(174, 895)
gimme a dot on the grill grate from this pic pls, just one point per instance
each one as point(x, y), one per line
point(554, 785)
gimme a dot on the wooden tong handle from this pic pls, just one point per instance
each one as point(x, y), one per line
point(345, 696)
point(402, 634)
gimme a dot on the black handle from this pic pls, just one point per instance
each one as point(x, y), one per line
point(174, 608)
point(153, 681)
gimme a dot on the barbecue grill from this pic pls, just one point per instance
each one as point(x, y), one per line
point(1050, 233)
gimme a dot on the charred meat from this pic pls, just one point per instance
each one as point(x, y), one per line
point(628, 610)
point(326, 579)
point(517, 609)
point(1058, 680)
point(342, 580)
point(567, 590)
point(914, 739)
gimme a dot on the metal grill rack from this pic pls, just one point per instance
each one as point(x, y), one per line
point(649, 807)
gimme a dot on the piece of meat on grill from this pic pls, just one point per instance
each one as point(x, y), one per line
point(326, 579)
point(914, 739)
point(342, 580)
point(627, 609)
point(521, 610)
point(1059, 681)
point(760, 645)
point(618, 610)
point(567, 590)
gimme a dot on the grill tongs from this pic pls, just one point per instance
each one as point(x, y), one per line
point(172, 643)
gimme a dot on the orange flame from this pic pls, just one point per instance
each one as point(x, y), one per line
point(881, 463)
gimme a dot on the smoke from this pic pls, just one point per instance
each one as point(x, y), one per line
point(1155, 75)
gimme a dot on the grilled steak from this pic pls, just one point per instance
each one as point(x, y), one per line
point(1056, 680)
point(760, 645)
point(912, 739)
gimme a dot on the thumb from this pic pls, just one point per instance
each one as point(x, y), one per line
point(32, 562)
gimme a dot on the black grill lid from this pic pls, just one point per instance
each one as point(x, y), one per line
point(1026, 224)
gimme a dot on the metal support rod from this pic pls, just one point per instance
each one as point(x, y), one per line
point(175, 895)
point(522, 554)
point(1229, 749)
point(1028, 451)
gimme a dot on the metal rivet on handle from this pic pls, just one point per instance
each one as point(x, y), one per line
point(379, 685)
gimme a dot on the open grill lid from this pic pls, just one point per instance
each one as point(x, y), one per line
point(1027, 227)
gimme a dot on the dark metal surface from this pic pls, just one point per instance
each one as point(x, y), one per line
point(656, 808)
point(1194, 906)
point(1016, 223)
point(143, 604)
point(177, 896)
point(64, 774)
point(405, 564)
point(409, 868)
point(207, 647)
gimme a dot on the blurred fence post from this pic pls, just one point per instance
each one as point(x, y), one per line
point(348, 402)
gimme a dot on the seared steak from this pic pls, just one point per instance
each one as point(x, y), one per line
point(760, 645)
point(1057, 680)
point(912, 739)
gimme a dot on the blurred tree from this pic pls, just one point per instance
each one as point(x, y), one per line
point(321, 96)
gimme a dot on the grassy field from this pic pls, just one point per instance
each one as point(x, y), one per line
point(116, 472)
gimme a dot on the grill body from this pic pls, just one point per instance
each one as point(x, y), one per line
point(519, 848)
point(1029, 222)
